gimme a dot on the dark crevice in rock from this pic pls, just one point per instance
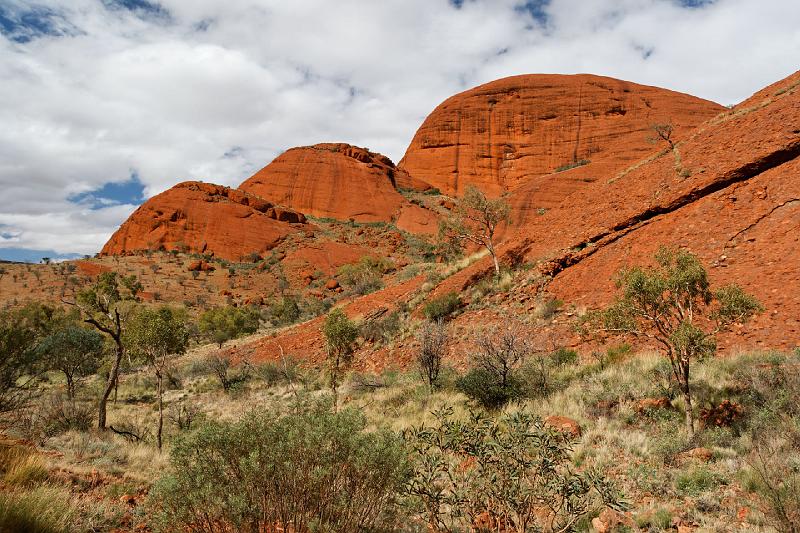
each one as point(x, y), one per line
point(739, 175)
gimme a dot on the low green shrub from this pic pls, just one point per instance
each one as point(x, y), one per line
point(483, 387)
point(314, 469)
point(441, 307)
point(698, 480)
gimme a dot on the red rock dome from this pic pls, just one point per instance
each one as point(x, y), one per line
point(205, 218)
point(515, 131)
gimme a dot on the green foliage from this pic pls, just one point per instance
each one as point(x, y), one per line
point(155, 333)
point(664, 303)
point(222, 324)
point(340, 333)
point(365, 276)
point(285, 310)
point(73, 350)
point(484, 387)
point(513, 472)
point(698, 480)
point(564, 357)
point(21, 331)
point(382, 329)
point(310, 471)
point(340, 339)
point(441, 307)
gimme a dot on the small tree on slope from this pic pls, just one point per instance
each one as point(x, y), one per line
point(673, 305)
point(475, 219)
point(340, 336)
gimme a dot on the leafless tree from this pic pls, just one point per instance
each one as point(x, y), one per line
point(501, 350)
point(434, 340)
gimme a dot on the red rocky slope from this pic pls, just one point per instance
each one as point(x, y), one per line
point(205, 218)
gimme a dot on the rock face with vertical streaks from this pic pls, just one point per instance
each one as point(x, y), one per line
point(549, 133)
point(343, 182)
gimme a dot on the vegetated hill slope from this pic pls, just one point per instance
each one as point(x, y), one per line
point(205, 218)
point(730, 192)
point(518, 131)
point(343, 182)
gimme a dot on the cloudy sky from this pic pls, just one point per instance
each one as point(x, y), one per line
point(108, 102)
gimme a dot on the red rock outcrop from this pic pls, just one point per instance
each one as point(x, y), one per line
point(730, 193)
point(343, 182)
point(205, 218)
point(520, 131)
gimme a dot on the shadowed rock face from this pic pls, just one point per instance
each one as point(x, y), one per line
point(343, 182)
point(205, 218)
point(519, 131)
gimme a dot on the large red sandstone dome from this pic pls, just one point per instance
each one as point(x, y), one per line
point(204, 218)
point(517, 131)
point(343, 182)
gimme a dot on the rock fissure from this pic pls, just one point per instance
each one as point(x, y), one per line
point(733, 178)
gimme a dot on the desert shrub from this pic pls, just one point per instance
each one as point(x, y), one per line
point(381, 329)
point(51, 415)
point(222, 369)
point(548, 308)
point(285, 310)
point(775, 479)
point(311, 471)
point(483, 387)
point(365, 276)
point(698, 480)
point(441, 307)
point(271, 373)
point(222, 324)
point(506, 474)
point(43, 510)
point(564, 357)
point(434, 339)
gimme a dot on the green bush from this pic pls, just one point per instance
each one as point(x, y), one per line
point(483, 386)
point(314, 470)
point(442, 306)
point(511, 470)
point(222, 324)
point(285, 310)
point(365, 276)
point(697, 481)
point(381, 329)
point(564, 357)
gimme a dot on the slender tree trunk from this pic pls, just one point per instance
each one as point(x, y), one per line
point(70, 390)
point(496, 263)
point(334, 378)
point(112, 379)
point(160, 408)
point(116, 389)
point(687, 400)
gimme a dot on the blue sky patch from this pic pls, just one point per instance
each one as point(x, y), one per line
point(29, 23)
point(22, 255)
point(535, 9)
point(141, 8)
point(128, 192)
